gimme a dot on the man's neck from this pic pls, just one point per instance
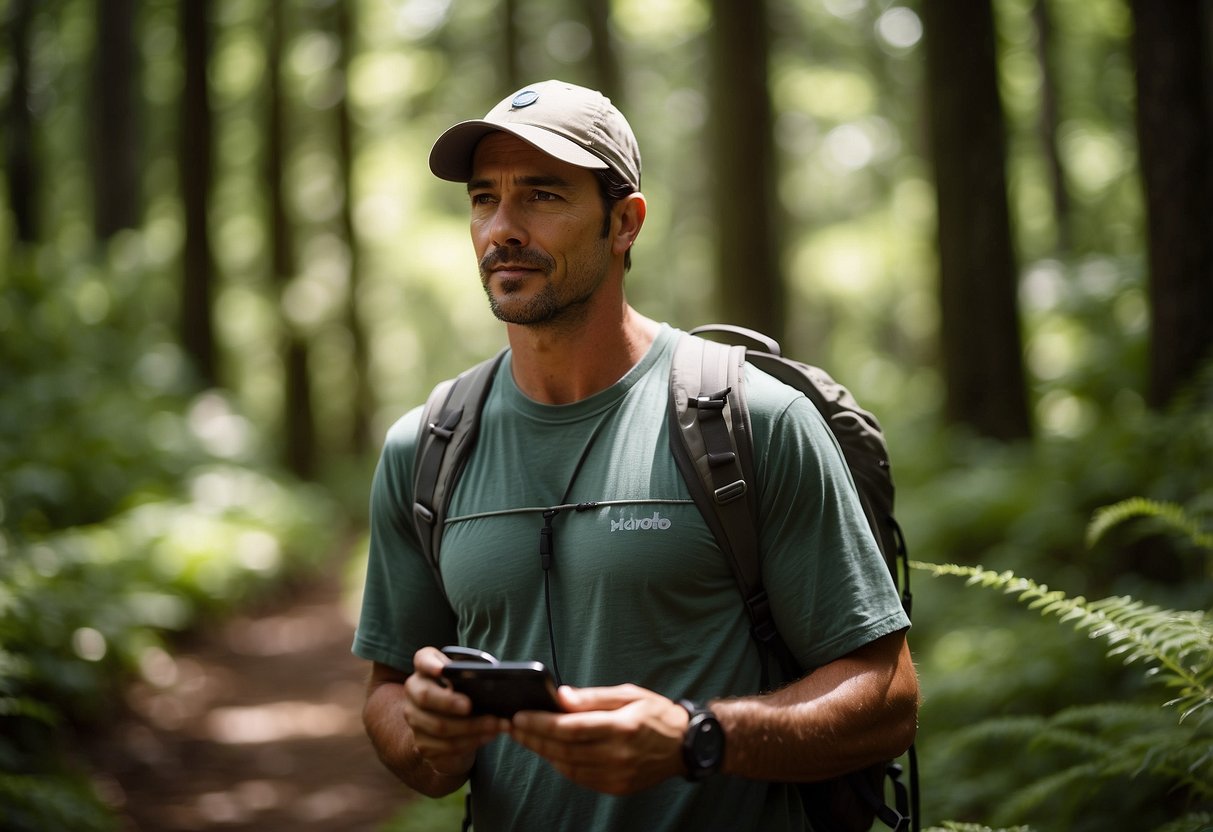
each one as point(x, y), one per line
point(564, 365)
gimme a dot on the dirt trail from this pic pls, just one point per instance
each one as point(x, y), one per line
point(256, 727)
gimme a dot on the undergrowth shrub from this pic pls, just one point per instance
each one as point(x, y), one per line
point(1110, 763)
point(131, 509)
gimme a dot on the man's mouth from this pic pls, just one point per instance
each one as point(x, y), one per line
point(512, 270)
point(518, 264)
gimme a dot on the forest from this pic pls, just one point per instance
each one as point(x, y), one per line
point(226, 270)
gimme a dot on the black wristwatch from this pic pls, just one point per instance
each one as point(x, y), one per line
point(703, 744)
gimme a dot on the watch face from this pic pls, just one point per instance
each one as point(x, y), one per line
point(708, 744)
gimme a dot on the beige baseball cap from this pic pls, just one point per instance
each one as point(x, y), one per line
point(574, 124)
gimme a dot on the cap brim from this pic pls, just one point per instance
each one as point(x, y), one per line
point(451, 156)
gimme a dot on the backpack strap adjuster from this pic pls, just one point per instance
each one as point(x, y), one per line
point(729, 493)
point(716, 460)
point(707, 404)
point(446, 429)
point(759, 605)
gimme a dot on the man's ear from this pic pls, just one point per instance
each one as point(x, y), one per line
point(630, 212)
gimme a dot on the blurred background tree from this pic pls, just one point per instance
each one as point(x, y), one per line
point(226, 270)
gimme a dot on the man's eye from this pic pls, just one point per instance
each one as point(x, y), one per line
point(481, 199)
point(545, 196)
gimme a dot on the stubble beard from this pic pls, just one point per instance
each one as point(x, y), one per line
point(546, 307)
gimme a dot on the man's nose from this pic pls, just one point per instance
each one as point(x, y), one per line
point(508, 228)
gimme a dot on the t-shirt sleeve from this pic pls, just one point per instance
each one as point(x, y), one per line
point(403, 607)
point(830, 589)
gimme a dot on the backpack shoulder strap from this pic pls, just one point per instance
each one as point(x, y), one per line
point(450, 423)
point(712, 444)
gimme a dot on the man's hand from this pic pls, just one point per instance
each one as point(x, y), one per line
point(422, 730)
point(615, 740)
point(445, 733)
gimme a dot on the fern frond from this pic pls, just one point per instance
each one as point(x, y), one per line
point(1170, 514)
point(1188, 823)
point(1176, 644)
point(1038, 792)
point(20, 706)
point(1085, 744)
point(1110, 717)
point(1019, 729)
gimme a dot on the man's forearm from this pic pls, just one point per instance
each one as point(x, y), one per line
point(853, 712)
point(383, 718)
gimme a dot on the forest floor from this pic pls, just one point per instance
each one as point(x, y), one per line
point(255, 725)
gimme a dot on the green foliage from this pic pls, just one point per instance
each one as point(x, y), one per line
point(1087, 759)
point(1170, 515)
point(1026, 508)
point(423, 815)
point(130, 509)
point(1178, 645)
point(36, 803)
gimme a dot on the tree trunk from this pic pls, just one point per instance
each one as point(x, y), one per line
point(298, 418)
point(981, 344)
point(603, 58)
point(751, 288)
point(1048, 123)
point(361, 400)
point(20, 157)
point(197, 327)
point(511, 47)
point(115, 124)
point(1175, 139)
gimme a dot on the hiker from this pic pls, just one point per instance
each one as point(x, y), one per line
point(571, 538)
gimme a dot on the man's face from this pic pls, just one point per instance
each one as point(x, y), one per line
point(537, 229)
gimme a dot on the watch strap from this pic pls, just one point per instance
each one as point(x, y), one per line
point(701, 720)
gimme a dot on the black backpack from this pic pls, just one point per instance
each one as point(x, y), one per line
point(711, 442)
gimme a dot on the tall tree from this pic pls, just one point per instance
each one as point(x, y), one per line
point(751, 286)
point(20, 161)
point(511, 47)
point(1045, 56)
point(114, 129)
point(981, 343)
point(603, 59)
point(298, 417)
point(361, 400)
point(195, 173)
point(1175, 136)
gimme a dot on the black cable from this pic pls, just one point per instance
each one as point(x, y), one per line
point(546, 548)
point(547, 543)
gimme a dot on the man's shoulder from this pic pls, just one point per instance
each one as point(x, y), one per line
point(767, 396)
point(401, 437)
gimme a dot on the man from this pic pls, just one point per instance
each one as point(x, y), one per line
point(641, 614)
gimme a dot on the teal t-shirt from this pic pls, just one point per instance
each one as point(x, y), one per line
point(640, 592)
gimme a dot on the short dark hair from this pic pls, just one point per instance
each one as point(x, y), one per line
point(613, 187)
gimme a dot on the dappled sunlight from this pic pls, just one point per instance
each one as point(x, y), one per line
point(257, 725)
point(246, 800)
point(278, 721)
point(277, 634)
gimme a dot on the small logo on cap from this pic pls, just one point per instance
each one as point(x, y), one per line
point(524, 99)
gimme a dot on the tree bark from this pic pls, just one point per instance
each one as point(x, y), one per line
point(602, 57)
point(20, 154)
point(979, 327)
point(197, 327)
point(511, 47)
point(749, 273)
point(1175, 138)
point(361, 399)
point(1049, 121)
point(115, 147)
point(298, 417)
